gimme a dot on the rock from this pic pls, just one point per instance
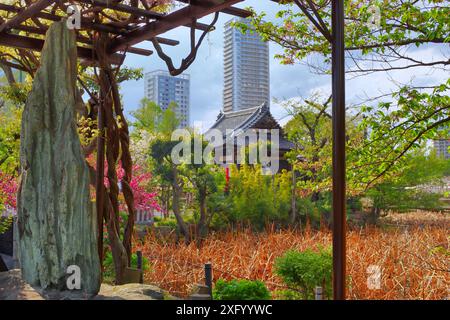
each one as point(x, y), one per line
point(130, 291)
point(12, 287)
point(198, 296)
point(57, 225)
point(132, 275)
point(200, 292)
point(8, 260)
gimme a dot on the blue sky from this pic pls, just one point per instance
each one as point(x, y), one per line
point(286, 81)
point(207, 71)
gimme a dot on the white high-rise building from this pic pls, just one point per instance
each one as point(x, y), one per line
point(162, 88)
point(442, 148)
point(246, 69)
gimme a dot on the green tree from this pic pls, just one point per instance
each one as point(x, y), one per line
point(154, 124)
point(401, 23)
point(147, 116)
point(411, 187)
point(396, 129)
point(310, 129)
point(417, 112)
point(169, 172)
point(201, 176)
point(186, 175)
point(258, 199)
point(152, 119)
point(10, 117)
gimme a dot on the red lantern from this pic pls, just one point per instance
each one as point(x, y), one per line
point(227, 180)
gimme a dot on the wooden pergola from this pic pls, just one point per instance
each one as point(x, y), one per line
point(125, 24)
point(112, 28)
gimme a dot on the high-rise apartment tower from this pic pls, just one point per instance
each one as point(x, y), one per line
point(246, 69)
point(162, 88)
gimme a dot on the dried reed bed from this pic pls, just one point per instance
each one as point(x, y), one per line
point(418, 218)
point(414, 260)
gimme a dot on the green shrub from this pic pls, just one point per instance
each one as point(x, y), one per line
point(170, 222)
point(258, 199)
point(5, 223)
point(240, 290)
point(306, 270)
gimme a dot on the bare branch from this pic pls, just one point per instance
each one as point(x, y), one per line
point(186, 62)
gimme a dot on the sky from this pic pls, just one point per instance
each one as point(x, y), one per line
point(287, 81)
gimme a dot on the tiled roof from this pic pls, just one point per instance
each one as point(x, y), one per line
point(237, 122)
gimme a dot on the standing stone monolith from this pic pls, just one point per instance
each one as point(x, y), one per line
point(56, 218)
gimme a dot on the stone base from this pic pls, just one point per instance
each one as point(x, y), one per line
point(12, 287)
point(9, 261)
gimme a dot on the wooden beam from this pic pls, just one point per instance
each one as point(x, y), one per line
point(168, 42)
point(43, 31)
point(180, 17)
point(199, 26)
point(135, 11)
point(9, 8)
point(25, 14)
point(124, 8)
point(43, 15)
point(85, 24)
point(81, 39)
point(231, 10)
point(237, 12)
point(21, 42)
point(14, 65)
point(140, 51)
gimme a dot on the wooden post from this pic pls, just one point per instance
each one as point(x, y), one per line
point(338, 118)
point(139, 265)
point(208, 277)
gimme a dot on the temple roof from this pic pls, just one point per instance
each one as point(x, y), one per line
point(232, 124)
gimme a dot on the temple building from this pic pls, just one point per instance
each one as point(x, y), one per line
point(236, 126)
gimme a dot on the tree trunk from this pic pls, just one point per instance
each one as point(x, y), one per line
point(56, 220)
point(8, 73)
point(374, 215)
point(202, 227)
point(117, 149)
point(118, 251)
point(176, 208)
point(293, 217)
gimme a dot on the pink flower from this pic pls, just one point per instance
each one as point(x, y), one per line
point(8, 190)
point(143, 199)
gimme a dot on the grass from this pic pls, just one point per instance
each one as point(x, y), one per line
point(414, 259)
